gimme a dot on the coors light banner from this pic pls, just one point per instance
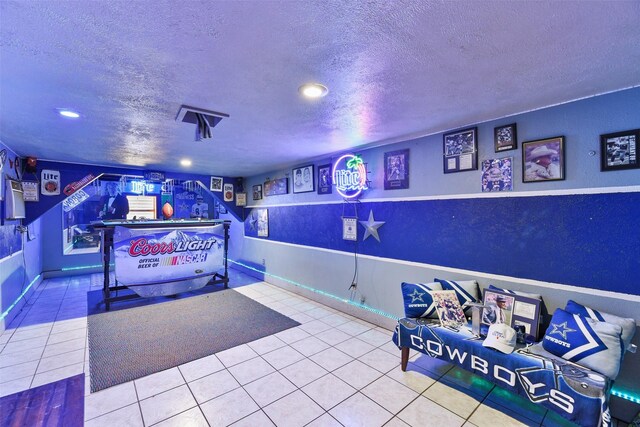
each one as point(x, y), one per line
point(153, 256)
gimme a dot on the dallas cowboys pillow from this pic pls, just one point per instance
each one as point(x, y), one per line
point(509, 291)
point(628, 325)
point(418, 301)
point(585, 341)
point(466, 291)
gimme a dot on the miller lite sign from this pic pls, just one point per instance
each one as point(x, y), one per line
point(349, 176)
point(50, 182)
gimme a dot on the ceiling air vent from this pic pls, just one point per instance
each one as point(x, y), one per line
point(204, 120)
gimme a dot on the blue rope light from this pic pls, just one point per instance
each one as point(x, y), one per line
point(318, 291)
point(84, 267)
point(6, 312)
point(614, 391)
point(626, 396)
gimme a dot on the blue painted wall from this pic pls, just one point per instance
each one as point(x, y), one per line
point(20, 258)
point(580, 240)
point(583, 240)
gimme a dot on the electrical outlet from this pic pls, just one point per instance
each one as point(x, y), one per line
point(264, 263)
point(362, 299)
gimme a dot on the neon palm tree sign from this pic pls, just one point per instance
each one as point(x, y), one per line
point(350, 176)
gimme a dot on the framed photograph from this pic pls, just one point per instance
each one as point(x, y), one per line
point(396, 169)
point(303, 179)
point(498, 307)
point(514, 310)
point(505, 137)
point(448, 308)
point(325, 184)
point(216, 184)
point(263, 222)
point(497, 174)
point(241, 199)
point(543, 160)
point(257, 192)
point(460, 150)
point(619, 150)
point(276, 187)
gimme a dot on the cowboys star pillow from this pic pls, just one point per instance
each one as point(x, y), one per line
point(509, 291)
point(418, 301)
point(587, 342)
point(628, 325)
point(466, 291)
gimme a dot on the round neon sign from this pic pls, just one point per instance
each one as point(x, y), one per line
point(349, 176)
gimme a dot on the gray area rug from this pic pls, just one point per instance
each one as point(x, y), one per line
point(129, 344)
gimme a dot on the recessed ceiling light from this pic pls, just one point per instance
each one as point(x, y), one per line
point(68, 113)
point(313, 90)
point(185, 162)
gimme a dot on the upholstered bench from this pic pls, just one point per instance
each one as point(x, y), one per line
point(576, 393)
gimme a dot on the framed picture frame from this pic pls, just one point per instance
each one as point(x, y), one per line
point(257, 192)
point(263, 222)
point(396, 170)
point(31, 191)
point(460, 150)
point(216, 184)
point(448, 308)
point(619, 151)
point(303, 179)
point(505, 137)
point(497, 174)
point(522, 311)
point(498, 307)
point(543, 160)
point(276, 187)
point(325, 183)
point(241, 199)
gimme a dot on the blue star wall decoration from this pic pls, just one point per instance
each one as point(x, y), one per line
point(371, 227)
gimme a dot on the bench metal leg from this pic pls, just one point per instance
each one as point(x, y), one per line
point(405, 358)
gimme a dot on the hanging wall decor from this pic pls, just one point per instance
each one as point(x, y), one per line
point(505, 137)
point(216, 184)
point(324, 179)
point(396, 169)
point(497, 174)
point(543, 160)
point(371, 227)
point(460, 150)
point(228, 192)
point(303, 179)
point(619, 150)
point(276, 187)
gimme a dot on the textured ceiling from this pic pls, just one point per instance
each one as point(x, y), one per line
point(395, 70)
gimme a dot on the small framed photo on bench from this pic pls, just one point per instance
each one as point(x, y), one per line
point(448, 308)
point(514, 310)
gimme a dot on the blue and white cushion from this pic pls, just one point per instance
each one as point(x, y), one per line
point(509, 291)
point(466, 291)
point(628, 325)
point(587, 342)
point(418, 301)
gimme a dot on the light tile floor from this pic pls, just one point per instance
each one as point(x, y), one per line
point(332, 370)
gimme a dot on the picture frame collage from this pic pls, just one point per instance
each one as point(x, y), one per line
point(541, 160)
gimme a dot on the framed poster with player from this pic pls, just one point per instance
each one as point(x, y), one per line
point(505, 137)
point(460, 150)
point(619, 151)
